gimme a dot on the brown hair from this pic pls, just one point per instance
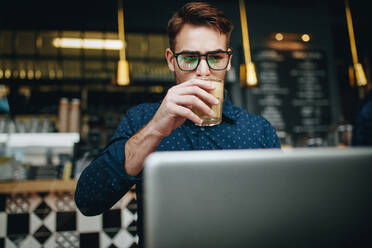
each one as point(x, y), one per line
point(198, 13)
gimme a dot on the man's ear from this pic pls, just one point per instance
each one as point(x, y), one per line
point(170, 59)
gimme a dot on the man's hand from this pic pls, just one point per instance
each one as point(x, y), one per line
point(178, 103)
point(174, 110)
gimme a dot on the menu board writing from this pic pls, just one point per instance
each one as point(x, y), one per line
point(293, 92)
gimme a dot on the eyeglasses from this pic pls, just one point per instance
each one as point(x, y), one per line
point(216, 60)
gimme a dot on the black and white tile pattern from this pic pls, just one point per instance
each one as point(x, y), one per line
point(51, 220)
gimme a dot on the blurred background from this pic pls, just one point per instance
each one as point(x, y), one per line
point(301, 50)
point(59, 106)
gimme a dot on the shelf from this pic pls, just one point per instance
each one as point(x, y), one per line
point(40, 139)
point(47, 185)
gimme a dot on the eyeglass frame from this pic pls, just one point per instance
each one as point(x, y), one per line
point(203, 55)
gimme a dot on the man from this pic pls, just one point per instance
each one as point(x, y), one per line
point(198, 33)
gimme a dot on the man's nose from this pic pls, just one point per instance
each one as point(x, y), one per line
point(203, 68)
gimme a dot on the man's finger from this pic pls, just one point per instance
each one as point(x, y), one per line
point(200, 93)
point(188, 114)
point(194, 102)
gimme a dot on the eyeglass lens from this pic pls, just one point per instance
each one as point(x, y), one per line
point(216, 61)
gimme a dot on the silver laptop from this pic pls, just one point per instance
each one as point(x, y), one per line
point(259, 198)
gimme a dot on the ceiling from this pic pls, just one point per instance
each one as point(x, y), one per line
point(102, 15)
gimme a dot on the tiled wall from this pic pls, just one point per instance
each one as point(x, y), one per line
point(51, 220)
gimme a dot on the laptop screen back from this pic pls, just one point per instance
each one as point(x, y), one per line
point(259, 198)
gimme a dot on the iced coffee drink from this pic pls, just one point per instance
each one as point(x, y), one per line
point(216, 118)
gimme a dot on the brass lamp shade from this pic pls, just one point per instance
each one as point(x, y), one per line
point(123, 73)
point(123, 66)
point(248, 76)
point(360, 76)
point(251, 74)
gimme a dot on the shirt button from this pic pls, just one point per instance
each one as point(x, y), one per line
point(202, 128)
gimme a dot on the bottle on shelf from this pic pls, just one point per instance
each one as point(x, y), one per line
point(63, 115)
point(74, 120)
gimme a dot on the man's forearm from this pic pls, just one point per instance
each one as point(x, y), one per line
point(103, 182)
point(138, 147)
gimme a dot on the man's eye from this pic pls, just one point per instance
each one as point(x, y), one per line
point(215, 56)
point(190, 58)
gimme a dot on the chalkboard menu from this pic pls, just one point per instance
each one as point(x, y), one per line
point(293, 92)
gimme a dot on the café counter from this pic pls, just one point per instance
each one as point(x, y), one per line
point(34, 186)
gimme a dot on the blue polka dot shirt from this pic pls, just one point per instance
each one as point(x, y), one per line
point(105, 181)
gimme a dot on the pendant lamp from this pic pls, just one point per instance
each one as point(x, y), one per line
point(248, 76)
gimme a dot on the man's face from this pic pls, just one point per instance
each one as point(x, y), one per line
point(200, 39)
